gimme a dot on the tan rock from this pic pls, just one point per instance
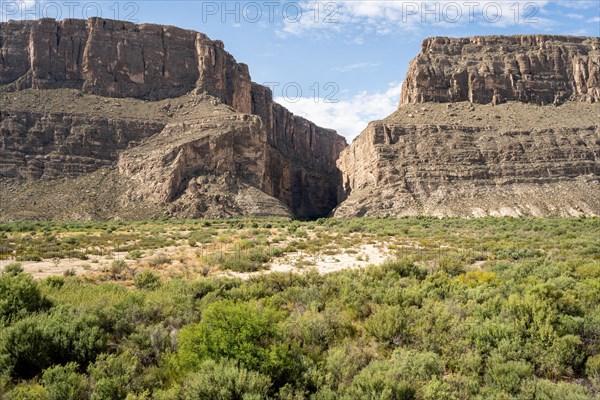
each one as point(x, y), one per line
point(540, 69)
point(523, 138)
point(151, 62)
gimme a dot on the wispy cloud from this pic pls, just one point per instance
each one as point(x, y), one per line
point(354, 67)
point(351, 115)
point(402, 16)
point(578, 4)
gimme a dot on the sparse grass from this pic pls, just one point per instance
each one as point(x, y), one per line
point(135, 254)
point(463, 309)
point(147, 280)
point(13, 268)
point(427, 240)
point(159, 259)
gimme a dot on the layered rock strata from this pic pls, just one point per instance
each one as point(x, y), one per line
point(486, 126)
point(538, 69)
point(151, 69)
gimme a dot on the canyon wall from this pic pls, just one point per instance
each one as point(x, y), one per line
point(486, 126)
point(149, 63)
point(540, 69)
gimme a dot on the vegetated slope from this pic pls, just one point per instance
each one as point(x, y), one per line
point(168, 81)
point(486, 126)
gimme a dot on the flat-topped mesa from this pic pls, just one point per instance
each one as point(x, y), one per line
point(488, 141)
point(119, 59)
point(539, 69)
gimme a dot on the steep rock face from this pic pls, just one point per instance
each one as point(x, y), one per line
point(519, 133)
point(119, 59)
point(429, 167)
point(211, 164)
point(296, 141)
point(152, 62)
point(540, 69)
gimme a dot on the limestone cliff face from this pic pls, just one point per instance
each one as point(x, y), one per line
point(152, 63)
point(540, 69)
point(119, 59)
point(519, 133)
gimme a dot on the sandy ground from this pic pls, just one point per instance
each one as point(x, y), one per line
point(46, 268)
point(298, 262)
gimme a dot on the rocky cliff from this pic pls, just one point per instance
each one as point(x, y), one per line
point(539, 69)
point(168, 108)
point(519, 133)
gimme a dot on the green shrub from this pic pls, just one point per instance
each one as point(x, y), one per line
point(437, 389)
point(250, 261)
point(452, 265)
point(113, 376)
point(396, 378)
point(230, 330)
point(69, 272)
point(29, 257)
point(26, 391)
point(241, 264)
point(563, 358)
point(300, 234)
point(135, 254)
point(517, 253)
point(159, 259)
point(388, 325)
point(25, 349)
point(507, 375)
point(592, 370)
point(63, 382)
point(258, 255)
point(55, 282)
point(147, 280)
point(225, 380)
point(202, 236)
point(19, 295)
point(13, 268)
point(118, 267)
point(543, 389)
point(405, 267)
point(33, 344)
point(70, 241)
point(343, 362)
point(275, 252)
point(379, 387)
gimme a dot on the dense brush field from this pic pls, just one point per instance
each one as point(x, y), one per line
point(460, 309)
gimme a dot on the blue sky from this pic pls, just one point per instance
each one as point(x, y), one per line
point(338, 63)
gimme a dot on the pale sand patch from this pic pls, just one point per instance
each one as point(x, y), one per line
point(181, 260)
point(45, 268)
point(359, 257)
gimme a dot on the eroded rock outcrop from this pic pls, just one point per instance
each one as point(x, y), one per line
point(539, 69)
point(119, 59)
point(493, 148)
point(151, 69)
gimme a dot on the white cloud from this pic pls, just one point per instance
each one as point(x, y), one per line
point(388, 17)
point(575, 16)
point(354, 67)
point(578, 4)
point(348, 116)
point(592, 20)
